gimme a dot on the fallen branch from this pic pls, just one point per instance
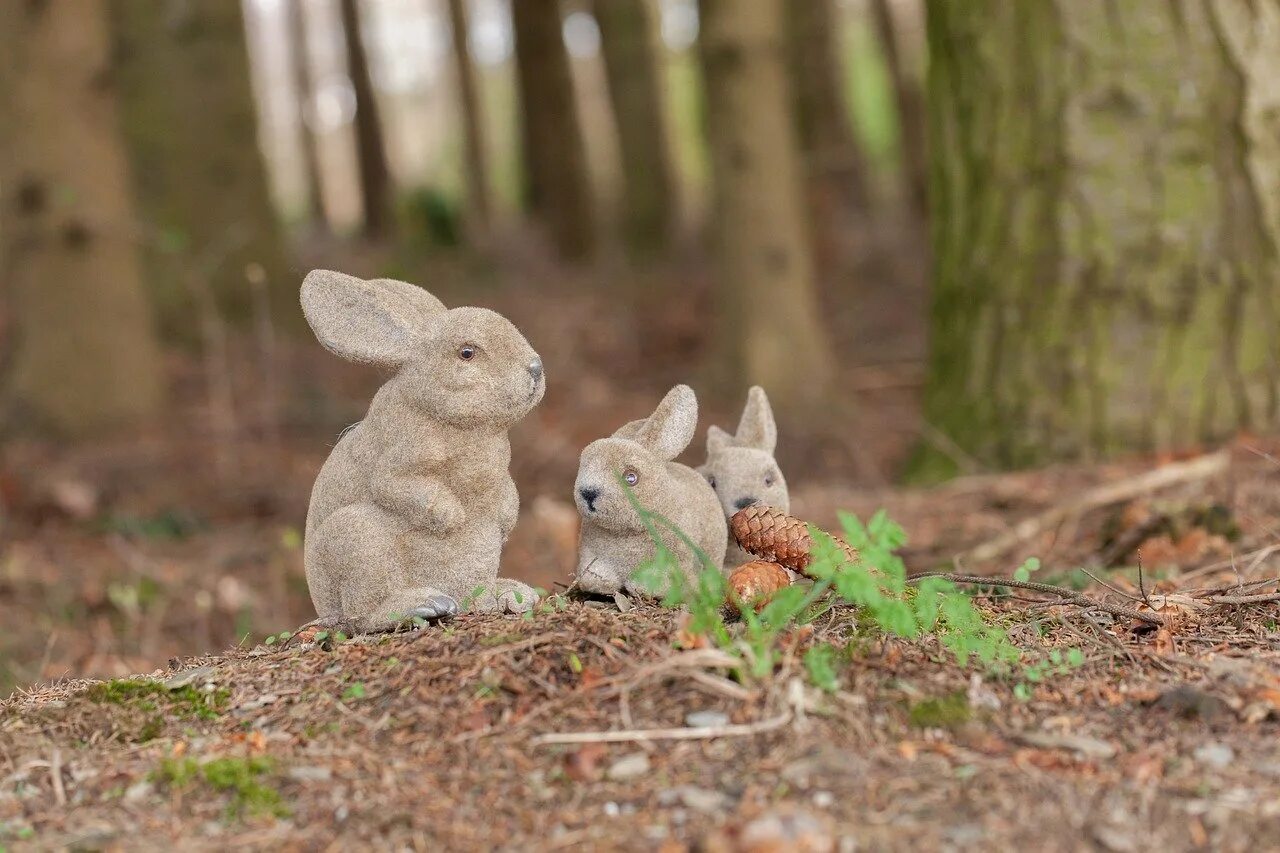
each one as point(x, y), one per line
point(1200, 468)
point(1070, 595)
point(680, 733)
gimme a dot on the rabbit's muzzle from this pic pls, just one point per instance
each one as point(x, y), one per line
point(743, 503)
point(589, 497)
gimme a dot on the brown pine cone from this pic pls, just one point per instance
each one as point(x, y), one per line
point(756, 582)
point(773, 535)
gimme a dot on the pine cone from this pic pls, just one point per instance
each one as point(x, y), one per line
point(772, 535)
point(756, 582)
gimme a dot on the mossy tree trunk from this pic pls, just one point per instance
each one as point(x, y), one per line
point(634, 75)
point(1106, 181)
point(83, 356)
point(913, 132)
point(304, 94)
point(475, 157)
point(190, 123)
point(371, 150)
point(557, 180)
point(770, 329)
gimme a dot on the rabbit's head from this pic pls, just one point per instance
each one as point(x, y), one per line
point(637, 454)
point(466, 367)
point(741, 467)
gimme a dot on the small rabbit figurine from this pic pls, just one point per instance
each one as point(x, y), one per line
point(411, 509)
point(741, 467)
point(614, 540)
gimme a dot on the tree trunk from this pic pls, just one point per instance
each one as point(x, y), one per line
point(304, 94)
point(558, 183)
point(84, 357)
point(912, 131)
point(371, 152)
point(833, 161)
point(190, 124)
point(1107, 216)
point(770, 331)
point(632, 68)
point(475, 156)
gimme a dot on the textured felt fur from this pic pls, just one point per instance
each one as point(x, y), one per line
point(410, 511)
point(614, 540)
point(741, 467)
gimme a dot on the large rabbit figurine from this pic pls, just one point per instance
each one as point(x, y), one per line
point(741, 467)
point(614, 540)
point(410, 511)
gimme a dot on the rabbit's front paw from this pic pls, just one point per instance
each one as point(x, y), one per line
point(435, 607)
point(506, 596)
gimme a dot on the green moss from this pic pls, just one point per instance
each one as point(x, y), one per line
point(242, 778)
point(146, 695)
point(942, 712)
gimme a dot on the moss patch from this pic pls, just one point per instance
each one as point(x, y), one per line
point(942, 712)
point(186, 702)
point(245, 779)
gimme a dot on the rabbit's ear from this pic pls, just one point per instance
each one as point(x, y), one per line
point(757, 428)
point(671, 426)
point(631, 430)
point(717, 439)
point(371, 322)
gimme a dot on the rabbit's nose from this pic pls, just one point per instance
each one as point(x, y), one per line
point(743, 503)
point(589, 498)
point(535, 369)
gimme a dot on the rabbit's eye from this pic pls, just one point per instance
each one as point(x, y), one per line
point(466, 352)
point(712, 481)
point(768, 479)
point(630, 476)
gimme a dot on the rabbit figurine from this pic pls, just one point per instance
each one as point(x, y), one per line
point(741, 467)
point(614, 540)
point(410, 512)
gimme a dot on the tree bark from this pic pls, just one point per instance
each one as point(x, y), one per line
point(304, 93)
point(558, 183)
point(912, 129)
point(770, 331)
point(190, 125)
point(633, 72)
point(831, 154)
point(475, 156)
point(371, 151)
point(84, 357)
point(1106, 182)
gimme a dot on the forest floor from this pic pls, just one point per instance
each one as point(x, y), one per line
point(140, 555)
point(448, 736)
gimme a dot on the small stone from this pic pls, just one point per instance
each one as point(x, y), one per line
point(699, 799)
point(189, 677)
point(824, 799)
point(624, 603)
point(706, 719)
point(787, 830)
point(138, 791)
point(310, 774)
point(627, 767)
point(611, 809)
point(1215, 755)
point(1088, 747)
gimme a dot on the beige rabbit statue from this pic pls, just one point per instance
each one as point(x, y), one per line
point(741, 467)
point(409, 513)
point(614, 540)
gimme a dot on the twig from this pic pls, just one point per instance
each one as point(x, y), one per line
point(1070, 595)
point(680, 733)
point(1245, 599)
point(1104, 495)
point(1142, 586)
point(55, 771)
point(1100, 582)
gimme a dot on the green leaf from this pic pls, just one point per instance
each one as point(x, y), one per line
point(820, 663)
point(1024, 572)
point(354, 691)
point(575, 662)
point(1075, 657)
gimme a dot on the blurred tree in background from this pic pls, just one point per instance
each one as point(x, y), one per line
point(84, 358)
point(1106, 223)
point(769, 326)
point(628, 37)
point(190, 124)
point(304, 94)
point(371, 149)
point(557, 183)
point(474, 139)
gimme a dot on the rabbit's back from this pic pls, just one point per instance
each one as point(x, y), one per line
point(698, 511)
